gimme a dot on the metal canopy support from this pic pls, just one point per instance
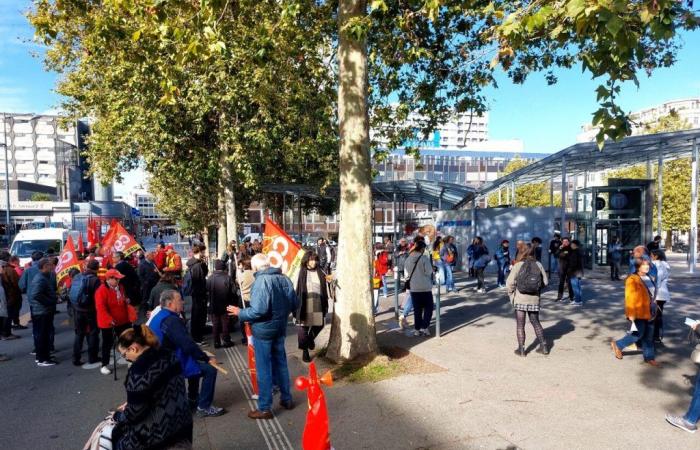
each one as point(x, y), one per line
point(393, 217)
point(551, 192)
point(512, 193)
point(564, 188)
point(659, 191)
point(694, 207)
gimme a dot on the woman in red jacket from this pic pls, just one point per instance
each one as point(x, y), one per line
point(112, 313)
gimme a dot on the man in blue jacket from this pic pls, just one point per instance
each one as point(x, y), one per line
point(272, 299)
point(42, 301)
point(172, 334)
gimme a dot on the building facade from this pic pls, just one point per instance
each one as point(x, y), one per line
point(462, 131)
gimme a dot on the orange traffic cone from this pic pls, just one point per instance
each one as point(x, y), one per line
point(251, 361)
point(316, 432)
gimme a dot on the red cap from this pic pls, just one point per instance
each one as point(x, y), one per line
point(114, 273)
point(169, 247)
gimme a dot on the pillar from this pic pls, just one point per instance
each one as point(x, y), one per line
point(659, 191)
point(694, 207)
point(564, 189)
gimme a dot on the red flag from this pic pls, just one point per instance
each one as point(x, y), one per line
point(316, 431)
point(92, 234)
point(283, 252)
point(67, 261)
point(81, 246)
point(117, 239)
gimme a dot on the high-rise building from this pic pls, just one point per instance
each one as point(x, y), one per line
point(461, 131)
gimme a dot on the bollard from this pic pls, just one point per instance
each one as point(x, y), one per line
point(396, 293)
point(437, 305)
point(316, 431)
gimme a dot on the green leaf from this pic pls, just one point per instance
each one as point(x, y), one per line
point(136, 35)
point(614, 25)
point(575, 8)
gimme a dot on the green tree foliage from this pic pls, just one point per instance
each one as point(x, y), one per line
point(40, 197)
point(675, 177)
point(527, 195)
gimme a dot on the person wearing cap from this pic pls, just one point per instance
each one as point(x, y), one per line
point(112, 307)
point(85, 319)
point(173, 262)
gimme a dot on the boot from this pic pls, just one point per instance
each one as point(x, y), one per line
point(543, 350)
point(306, 357)
point(520, 351)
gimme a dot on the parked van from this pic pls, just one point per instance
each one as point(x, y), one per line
point(28, 241)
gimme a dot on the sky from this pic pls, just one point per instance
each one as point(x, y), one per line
point(546, 118)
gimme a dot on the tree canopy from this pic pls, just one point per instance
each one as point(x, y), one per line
point(527, 195)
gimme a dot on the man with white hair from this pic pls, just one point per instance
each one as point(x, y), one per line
point(272, 299)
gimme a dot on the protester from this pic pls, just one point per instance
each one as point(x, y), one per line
point(82, 298)
point(4, 316)
point(562, 255)
point(166, 282)
point(112, 307)
point(663, 296)
point(42, 301)
point(148, 276)
point(524, 285)
point(575, 272)
point(221, 291)
point(170, 328)
point(381, 267)
point(323, 250)
point(230, 258)
point(419, 273)
point(407, 306)
point(197, 271)
point(554, 246)
point(161, 256)
point(615, 255)
point(272, 299)
point(536, 244)
point(503, 260)
point(655, 244)
point(435, 258)
point(156, 414)
point(13, 296)
point(689, 421)
point(448, 258)
point(130, 281)
point(638, 310)
point(481, 260)
point(173, 262)
point(312, 308)
point(246, 278)
point(400, 255)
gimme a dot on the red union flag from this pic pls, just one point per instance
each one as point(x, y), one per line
point(67, 261)
point(92, 234)
point(117, 239)
point(284, 253)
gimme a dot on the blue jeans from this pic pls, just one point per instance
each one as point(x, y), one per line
point(576, 287)
point(385, 289)
point(644, 333)
point(271, 364)
point(441, 270)
point(693, 414)
point(502, 267)
point(204, 396)
point(407, 305)
point(553, 264)
point(449, 280)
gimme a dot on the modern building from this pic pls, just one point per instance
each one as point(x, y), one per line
point(687, 109)
point(462, 131)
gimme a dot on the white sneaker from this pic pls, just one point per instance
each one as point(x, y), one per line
point(416, 333)
point(401, 323)
point(105, 370)
point(425, 331)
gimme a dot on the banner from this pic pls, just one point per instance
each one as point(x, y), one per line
point(117, 239)
point(92, 234)
point(81, 246)
point(284, 253)
point(67, 261)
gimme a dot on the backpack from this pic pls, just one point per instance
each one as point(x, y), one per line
point(529, 280)
point(450, 257)
point(187, 284)
point(78, 294)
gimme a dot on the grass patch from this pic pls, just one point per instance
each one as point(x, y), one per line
point(378, 369)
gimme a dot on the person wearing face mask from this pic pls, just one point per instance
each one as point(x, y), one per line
point(311, 311)
point(156, 413)
point(639, 311)
point(112, 313)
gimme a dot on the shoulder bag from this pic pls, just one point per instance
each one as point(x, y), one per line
point(407, 283)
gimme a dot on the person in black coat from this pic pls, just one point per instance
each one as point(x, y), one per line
point(562, 255)
point(221, 291)
point(148, 274)
point(198, 271)
point(131, 283)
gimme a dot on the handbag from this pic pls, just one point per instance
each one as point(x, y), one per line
point(407, 283)
point(376, 282)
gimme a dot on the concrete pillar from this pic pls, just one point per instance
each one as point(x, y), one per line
point(694, 207)
point(659, 192)
point(564, 190)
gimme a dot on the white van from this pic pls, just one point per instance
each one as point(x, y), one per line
point(28, 241)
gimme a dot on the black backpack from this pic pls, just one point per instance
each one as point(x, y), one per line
point(529, 280)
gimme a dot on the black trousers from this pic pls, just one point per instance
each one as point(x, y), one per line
point(42, 325)
point(659, 321)
point(306, 336)
point(86, 330)
point(108, 340)
point(564, 280)
point(198, 321)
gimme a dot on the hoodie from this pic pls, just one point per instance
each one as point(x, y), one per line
point(198, 271)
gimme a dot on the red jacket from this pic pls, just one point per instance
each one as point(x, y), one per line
point(112, 306)
point(160, 258)
point(381, 264)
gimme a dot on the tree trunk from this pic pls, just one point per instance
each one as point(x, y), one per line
point(230, 201)
point(353, 331)
point(221, 238)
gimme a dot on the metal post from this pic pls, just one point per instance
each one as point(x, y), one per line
point(284, 212)
point(564, 189)
point(437, 304)
point(396, 292)
point(301, 223)
point(694, 208)
point(393, 218)
point(659, 192)
point(512, 193)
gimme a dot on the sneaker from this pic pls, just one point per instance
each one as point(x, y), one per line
point(47, 363)
point(425, 332)
point(19, 327)
point(105, 370)
point(78, 363)
point(681, 423)
point(90, 366)
point(401, 321)
point(212, 411)
point(417, 333)
point(33, 353)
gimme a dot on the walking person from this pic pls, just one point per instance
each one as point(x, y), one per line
point(272, 299)
point(503, 260)
point(615, 255)
point(663, 296)
point(638, 310)
point(481, 260)
point(197, 271)
point(312, 296)
point(222, 293)
point(689, 421)
point(470, 257)
point(574, 272)
point(562, 255)
point(536, 244)
point(448, 257)
point(112, 307)
point(381, 268)
point(156, 414)
point(524, 285)
point(42, 301)
point(15, 310)
point(419, 274)
point(82, 299)
point(435, 258)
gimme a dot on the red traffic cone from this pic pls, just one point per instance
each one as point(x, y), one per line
point(251, 360)
point(316, 432)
